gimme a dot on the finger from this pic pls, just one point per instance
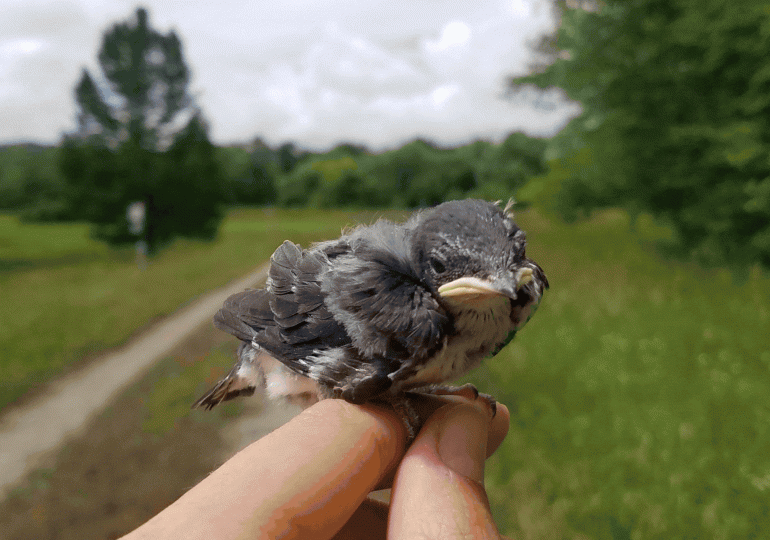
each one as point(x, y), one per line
point(305, 479)
point(427, 404)
point(499, 425)
point(439, 492)
point(498, 429)
point(370, 520)
point(337, 454)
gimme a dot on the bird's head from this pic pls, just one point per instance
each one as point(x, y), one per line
point(471, 252)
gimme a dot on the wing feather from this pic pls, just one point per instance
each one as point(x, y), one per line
point(347, 313)
point(377, 294)
point(288, 318)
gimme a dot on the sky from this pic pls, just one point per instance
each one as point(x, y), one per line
point(311, 71)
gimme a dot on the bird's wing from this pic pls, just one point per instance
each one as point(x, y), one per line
point(244, 314)
point(288, 318)
point(347, 314)
point(375, 290)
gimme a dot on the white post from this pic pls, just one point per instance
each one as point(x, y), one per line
point(136, 213)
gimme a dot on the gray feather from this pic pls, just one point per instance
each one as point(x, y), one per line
point(362, 315)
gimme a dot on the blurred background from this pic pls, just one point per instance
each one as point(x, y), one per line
point(152, 153)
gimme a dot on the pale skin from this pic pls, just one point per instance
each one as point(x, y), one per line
point(311, 478)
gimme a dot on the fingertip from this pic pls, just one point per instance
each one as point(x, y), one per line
point(461, 440)
point(377, 426)
point(498, 429)
point(439, 484)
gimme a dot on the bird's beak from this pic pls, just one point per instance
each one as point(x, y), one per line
point(468, 289)
point(523, 276)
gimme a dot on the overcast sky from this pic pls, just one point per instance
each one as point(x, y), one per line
point(313, 71)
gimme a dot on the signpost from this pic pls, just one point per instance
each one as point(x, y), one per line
point(136, 213)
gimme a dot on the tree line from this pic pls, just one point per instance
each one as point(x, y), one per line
point(142, 139)
point(675, 123)
point(36, 180)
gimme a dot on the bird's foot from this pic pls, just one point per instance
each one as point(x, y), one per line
point(409, 407)
point(411, 419)
point(468, 391)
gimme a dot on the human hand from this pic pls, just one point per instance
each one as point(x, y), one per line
point(311, 478)
point(439, 486)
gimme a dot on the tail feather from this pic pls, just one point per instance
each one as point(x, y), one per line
point(242, 380)
point(221, 392)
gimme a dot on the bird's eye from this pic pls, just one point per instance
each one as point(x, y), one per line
point(437, 265)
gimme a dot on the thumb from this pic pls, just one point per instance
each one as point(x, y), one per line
point(438, 491)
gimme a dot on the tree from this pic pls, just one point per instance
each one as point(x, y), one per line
point(141, 138)
point(289, 157)
point(249, 173)
point(30, 181)
point(298, 189)
point(676, 117)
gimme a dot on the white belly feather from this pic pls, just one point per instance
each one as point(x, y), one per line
point(478, 333)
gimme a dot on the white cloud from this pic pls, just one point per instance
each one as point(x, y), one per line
point(455, 34)
point(315, 72)
point(521, 8)
point(20, 47)
point(441, 95)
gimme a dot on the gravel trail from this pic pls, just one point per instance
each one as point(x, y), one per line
point(34, 430)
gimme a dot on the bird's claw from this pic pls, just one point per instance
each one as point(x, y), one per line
point(467, 391)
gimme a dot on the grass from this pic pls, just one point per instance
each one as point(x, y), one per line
point(137, 456)
point(640, 394)
point(65, 298)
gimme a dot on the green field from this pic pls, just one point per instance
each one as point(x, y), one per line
point(640, 393)
point(65, 298)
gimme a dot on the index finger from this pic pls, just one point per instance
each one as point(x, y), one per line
point(325, 463)
point(304, 479)
point(439, 491)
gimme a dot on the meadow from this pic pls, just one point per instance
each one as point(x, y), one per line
point(639, 393)
point(64, 297)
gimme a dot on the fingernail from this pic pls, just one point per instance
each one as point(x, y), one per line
point(462, 442)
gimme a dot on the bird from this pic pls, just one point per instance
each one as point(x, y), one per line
point(384, 310)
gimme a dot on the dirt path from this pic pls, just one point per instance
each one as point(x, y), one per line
point(31, 432)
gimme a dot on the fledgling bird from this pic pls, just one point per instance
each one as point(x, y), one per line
point(387, 308)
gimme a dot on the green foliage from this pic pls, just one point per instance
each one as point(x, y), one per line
point(98, 179)
point(506, 169)
point(249, 176)
point(146, 71)
point(332, 169)
point(297, 189)
point(30, 181)
point(235, 163)
point(141, 138)
point(352, 189)
point(676, 118)
point(191, 191)
point(288, 157)
point(414, 175)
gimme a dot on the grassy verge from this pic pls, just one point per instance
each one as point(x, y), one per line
point(138, 456)
point(640, 394)
point(65, 298)
point(640, 399)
